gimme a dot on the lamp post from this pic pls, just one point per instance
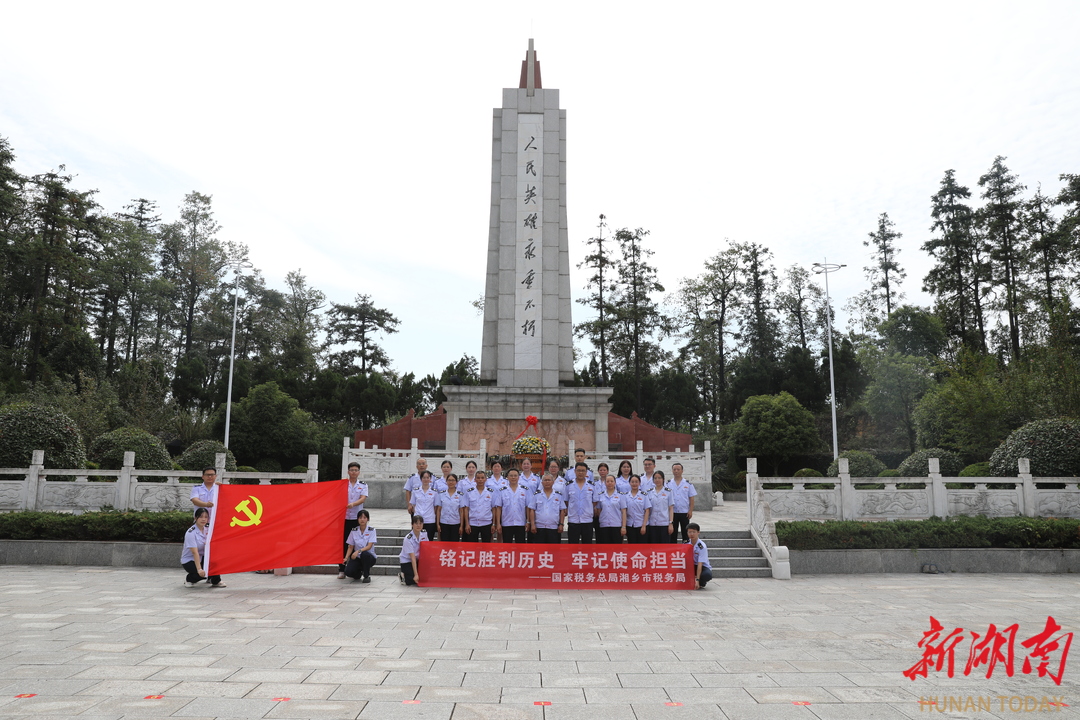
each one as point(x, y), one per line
point(237, 266)
point(824, 269)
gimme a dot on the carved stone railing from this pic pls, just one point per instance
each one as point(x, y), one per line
point(921, 497)
point(762, 527)
point(79, 490)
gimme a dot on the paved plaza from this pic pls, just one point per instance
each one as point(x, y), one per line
point(95, 642)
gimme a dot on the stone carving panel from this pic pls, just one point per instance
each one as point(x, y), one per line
point(982, 502)
point(11, 495)
point(809, 504)
point(1057, 503)
point(78, 496)
point(163, 497)
point(500, 434)
point(900, 503)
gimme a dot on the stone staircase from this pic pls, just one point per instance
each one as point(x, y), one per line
point(732, 554)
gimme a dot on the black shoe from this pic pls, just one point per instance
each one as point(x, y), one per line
point(367, 579)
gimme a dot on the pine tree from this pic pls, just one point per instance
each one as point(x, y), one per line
point(1000, 219)
point(885, 275)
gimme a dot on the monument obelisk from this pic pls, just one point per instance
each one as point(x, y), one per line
point(527, 360)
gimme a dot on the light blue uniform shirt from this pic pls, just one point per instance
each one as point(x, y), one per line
point(357, 490)
point(683, 492)
point(480, 503)
point(701, 554)
point(424, 502)
point(411, 546)
point(451, 506)
point(580, 502)
point(660, 504)
point(622, 484)
point(201, 492)
point(547, 509)
point(194, 538)
point(635, 508)
point(496, 483)
point(514, 503)
point(360, 540)
point(465, 484)
point(611, 507)
point(529, 482)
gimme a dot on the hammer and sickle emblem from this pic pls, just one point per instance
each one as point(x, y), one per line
point(253, 518)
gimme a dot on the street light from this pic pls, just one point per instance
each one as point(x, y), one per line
point(824, 269)
point(237, 266)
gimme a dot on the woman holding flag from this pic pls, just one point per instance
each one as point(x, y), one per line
point(195, 550)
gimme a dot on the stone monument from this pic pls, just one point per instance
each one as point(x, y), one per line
point(528, 358)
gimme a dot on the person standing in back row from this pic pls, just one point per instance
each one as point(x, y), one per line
point(659, 518)
point(683, 493)
point(513, 515)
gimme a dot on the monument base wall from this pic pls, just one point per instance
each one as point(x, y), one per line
point(564, 414)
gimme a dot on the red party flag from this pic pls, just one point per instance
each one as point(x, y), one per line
point(257, 527)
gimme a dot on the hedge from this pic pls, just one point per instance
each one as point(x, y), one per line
point(135, 526)
point(201, 455)
point(954, 532)
point(918, 463)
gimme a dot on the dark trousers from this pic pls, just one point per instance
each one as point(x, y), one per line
point(429, 528)
point(450, 533)
point(579, 533)
point(610, 536)
point(193, 575)
point(406, 570)
point(549, 536)
point(680, 520)
point(349, 525)
point(480, 533)
point(659, 534)
point(513, 533)
point(634, 536)
point(360, 566)
point(706, 576)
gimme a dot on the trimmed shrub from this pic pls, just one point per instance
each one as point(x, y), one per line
point(860, 464)
point(269, 465)
point(141, 526)
point(299, 469)
point(25, 427)
point(201, 455)
point(917, 463)
point(981, 469)
point(1053, 446)
point(807, 472)
point(150, 454)
point(890, 473)
point(954, 532)
point(245, 468)
point(740, 479)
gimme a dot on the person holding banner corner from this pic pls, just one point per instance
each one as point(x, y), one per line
point(195, 550)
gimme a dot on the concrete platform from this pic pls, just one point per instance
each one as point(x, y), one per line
point(96, 642)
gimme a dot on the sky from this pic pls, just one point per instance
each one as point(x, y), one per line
point(351, 141)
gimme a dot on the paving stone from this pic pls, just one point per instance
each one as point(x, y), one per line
point(305, 709)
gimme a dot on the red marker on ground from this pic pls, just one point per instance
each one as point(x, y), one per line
point(26, 695)
point(154, 697)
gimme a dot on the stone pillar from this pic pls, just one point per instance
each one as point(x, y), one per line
point(1027, 487)
point(123, 482)
point(33, 479)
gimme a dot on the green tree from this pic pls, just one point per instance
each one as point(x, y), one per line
point(958, 278)
point(913, 330)
point(706, 307)
point(601, 287)
point(268, 424)
point(774, 428)
point(359, 325)
point(897, 383)
point(637, 318)
point(798, 301)
point(885, 275)
point(1000, 218)
point(1049, 250)
point(192, 259)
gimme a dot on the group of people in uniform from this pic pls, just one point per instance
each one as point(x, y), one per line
point(519, 506)
point(516, 507)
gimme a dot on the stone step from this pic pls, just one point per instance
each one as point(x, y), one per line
point(738, 562)
point(725, 573)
